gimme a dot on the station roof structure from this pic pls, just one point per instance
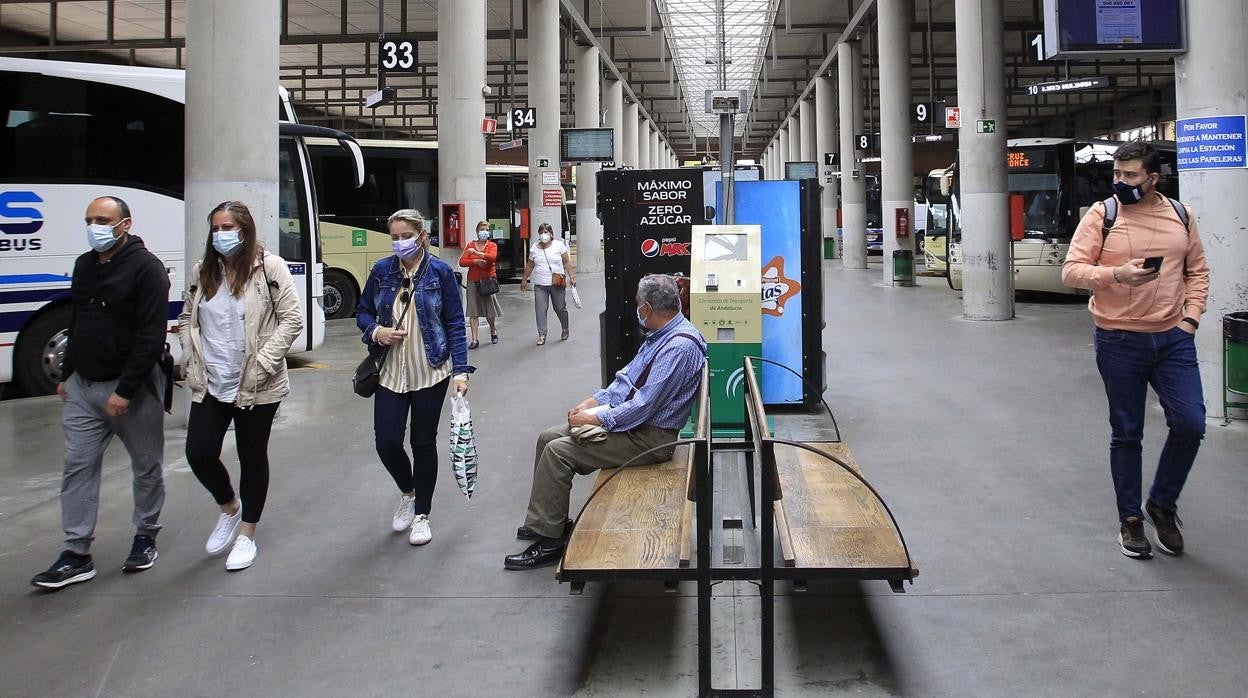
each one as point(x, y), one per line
point(666, 51)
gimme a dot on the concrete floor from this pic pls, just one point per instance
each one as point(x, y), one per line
point(988, 440)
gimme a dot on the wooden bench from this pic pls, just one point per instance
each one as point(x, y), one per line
point(638, 521)
point(830, 524)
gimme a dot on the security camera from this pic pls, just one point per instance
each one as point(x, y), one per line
point(486, 90)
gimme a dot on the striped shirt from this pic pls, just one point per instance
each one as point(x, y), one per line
point(406, 367)
point(665, 399)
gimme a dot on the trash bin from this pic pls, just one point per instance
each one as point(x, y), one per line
point(1234, 361)
point(903, 267)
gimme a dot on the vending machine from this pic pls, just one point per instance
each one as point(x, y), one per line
point(726, 307)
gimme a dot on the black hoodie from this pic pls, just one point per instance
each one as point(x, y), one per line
point(120, 317)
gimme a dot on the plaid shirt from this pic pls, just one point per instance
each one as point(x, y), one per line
point(675, 374)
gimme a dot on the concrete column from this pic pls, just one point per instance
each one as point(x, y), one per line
point(231, 153)
point(613, 114)
point(588, 228)
point(655, 153)
point(784, 150)
point(853, 188)
point(1210, 81)
point(896, 144)
point(544, 81)
point(827, 137)
point(806, 110)
point(987, 269)
point(795, 137)
point(629, 139)
point(461, 106)
point(643, 144)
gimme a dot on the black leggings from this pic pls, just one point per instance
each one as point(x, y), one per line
point(204, 434)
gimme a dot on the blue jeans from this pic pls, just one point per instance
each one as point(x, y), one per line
point(390, 415)
point(1129, 362)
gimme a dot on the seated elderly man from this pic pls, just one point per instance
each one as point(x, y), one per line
point(644, 407)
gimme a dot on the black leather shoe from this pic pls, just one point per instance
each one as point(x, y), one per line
point(534, 556)
point(526, 533)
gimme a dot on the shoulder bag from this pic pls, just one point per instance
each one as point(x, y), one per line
point(555, 279)
point(368, 374)
point(487, 287)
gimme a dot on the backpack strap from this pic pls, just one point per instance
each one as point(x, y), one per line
point(1181, 211)
point(1111, 216)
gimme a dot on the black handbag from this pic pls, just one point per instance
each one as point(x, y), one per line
point(487, 287)
point(368, 373)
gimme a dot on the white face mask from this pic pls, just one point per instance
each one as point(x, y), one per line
point(100, 237)
point(545, 238)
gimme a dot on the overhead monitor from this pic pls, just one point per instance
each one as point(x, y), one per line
point(586, 144)
point(1114, 28)
point(801, 170)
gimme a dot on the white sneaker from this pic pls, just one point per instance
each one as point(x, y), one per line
point(223, 534)
point(421, 533)
point(405, 514)
point(242, 554)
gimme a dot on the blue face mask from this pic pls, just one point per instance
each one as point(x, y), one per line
point(100, 237)
point(405, 249)
point(226, 242)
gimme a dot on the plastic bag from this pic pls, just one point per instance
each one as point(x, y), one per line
point(463, 446)
point(576, 296)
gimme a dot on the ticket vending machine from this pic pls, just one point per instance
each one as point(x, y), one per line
point(726, 307)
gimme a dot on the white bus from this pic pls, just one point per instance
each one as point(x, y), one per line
point(70, 132)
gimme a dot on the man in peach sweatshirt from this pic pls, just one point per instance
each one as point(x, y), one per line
point(1146, 315)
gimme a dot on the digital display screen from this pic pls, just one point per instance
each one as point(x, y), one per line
point(801, 170)
point(1027, 159)
point(1109, 26)
point(726, 247)
point(586, 144)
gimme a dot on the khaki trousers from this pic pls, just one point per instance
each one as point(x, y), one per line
point(559, 457)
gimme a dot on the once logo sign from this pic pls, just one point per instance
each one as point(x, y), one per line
point(16, 219)
point(650, 247)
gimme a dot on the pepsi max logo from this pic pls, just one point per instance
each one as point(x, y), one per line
point(650, 247)
point(16, 219)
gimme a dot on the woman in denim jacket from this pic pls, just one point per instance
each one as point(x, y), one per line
point(410, 311)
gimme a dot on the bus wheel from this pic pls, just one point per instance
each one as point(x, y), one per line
point(41, 352)
point(340, 296)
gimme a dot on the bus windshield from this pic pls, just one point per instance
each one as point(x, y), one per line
point(1034, 174)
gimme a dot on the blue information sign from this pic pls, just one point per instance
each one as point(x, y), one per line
point(1212, 142)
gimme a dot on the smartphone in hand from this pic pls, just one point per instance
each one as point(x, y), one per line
point(1153, 263)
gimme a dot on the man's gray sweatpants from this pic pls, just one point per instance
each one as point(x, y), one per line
point(88, 431)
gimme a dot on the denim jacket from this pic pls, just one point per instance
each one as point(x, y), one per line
point(438, 309)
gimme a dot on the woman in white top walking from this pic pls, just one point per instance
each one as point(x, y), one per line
point(241, 315)
point(551, 270)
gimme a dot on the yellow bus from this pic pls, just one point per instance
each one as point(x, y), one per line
point(398, 174)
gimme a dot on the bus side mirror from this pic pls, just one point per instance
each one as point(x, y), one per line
point(945, 185)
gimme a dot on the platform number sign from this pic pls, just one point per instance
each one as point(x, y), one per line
point(922, 113)
point(522, 117)
point(397, 55)
point(863, 141)
point(1037, 46)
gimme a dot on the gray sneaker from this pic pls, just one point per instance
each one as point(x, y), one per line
point(1167, 523)
point(1132, 539)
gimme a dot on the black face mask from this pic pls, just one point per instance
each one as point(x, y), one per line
point(1129, 194)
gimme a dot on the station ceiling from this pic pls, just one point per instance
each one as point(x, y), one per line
point(665, 50)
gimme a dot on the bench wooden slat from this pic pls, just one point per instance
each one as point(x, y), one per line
point(636, 521)
point(786, 538)
point(832, 520)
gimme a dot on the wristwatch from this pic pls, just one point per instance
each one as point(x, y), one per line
point(1191, 321)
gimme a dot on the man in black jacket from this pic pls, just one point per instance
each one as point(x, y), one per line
point(111, 386)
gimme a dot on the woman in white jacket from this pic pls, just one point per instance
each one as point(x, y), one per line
point(241, 315)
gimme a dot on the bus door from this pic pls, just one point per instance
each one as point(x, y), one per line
point(505, 195)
